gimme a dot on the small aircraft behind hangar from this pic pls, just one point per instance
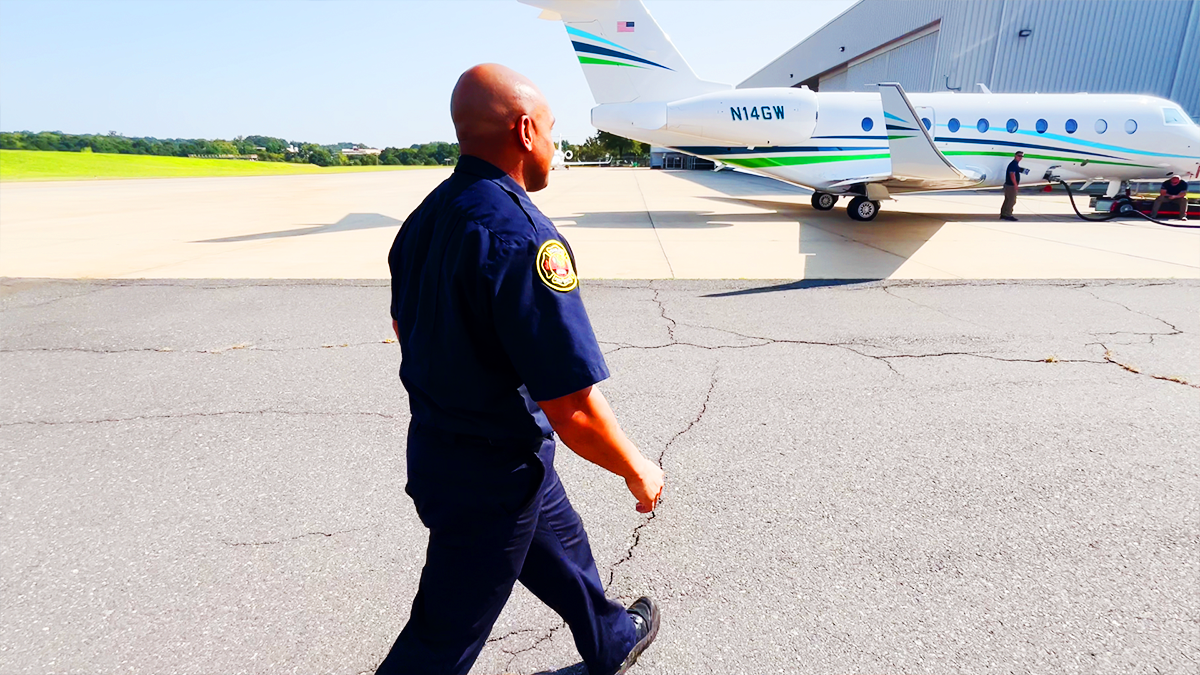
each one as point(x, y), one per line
point(866, 146)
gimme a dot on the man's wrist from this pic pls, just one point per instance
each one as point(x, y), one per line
point(636, 467)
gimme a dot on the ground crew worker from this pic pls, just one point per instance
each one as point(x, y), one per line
point(1012, 178)
point(1173, 190)
point(498, 354)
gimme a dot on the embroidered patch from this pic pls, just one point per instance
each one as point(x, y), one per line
point(554, 267)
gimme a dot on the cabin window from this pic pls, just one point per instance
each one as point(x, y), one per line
point(982, 125)
point(867, 124)
point(1173, 116)
point(1041, 126)
point(1011, 126)
point(952, 125)
point(926, 122)
point(1072, 126)
point(1101, 126)
point(1130, 126)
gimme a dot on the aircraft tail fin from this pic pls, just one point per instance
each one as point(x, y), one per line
point(624, 54)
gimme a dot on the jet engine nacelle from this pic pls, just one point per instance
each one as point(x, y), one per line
point(750, 117)
point(738, 117)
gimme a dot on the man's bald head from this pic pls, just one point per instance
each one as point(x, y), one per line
point(488, 101)
point(502, 117)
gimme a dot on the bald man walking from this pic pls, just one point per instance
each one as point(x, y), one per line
point(498, 355)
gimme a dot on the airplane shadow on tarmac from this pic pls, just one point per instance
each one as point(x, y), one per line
point(351, 221)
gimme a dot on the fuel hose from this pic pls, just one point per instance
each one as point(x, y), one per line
point(1109, 216)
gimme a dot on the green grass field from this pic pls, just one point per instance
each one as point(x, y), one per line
point(27, 165)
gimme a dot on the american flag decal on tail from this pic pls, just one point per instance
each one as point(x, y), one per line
point(624, 26)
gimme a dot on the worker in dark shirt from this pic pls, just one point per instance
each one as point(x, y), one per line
point(1012, 178)
point(498, 355)
point(1173, 191)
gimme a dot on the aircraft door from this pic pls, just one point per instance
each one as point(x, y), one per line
point(928, 119)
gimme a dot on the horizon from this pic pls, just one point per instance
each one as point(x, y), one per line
point(304, 70)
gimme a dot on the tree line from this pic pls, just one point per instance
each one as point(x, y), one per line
point(599, 147)
point(267, 148)
point(604, 145)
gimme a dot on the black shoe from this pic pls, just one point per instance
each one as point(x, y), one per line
point(644, 612)
point(1008, 218)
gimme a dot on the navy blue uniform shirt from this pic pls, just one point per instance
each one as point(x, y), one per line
point(1175, 190)
point(1013, 168)
point(486, 296)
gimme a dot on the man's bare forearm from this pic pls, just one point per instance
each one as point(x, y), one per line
point(586, 424)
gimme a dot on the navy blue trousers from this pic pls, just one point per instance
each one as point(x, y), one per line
point(498, 514)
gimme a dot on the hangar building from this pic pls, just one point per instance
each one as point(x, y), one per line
point(1011, 46)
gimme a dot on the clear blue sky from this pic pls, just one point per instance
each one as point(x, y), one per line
point(327, 71)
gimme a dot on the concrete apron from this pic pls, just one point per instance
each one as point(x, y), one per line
point(622, 224)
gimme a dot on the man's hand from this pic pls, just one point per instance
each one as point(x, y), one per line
point(586, 423)
point(646, 484)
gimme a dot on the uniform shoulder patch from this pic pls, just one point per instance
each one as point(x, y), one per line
point(554, 267)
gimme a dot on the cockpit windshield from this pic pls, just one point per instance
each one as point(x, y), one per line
point(1173, 116)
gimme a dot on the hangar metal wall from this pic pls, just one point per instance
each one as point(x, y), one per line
point(1126, 46)
point(910, 64)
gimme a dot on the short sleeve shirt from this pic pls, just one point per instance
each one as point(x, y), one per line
point(490, 316)
point(1013, 168)
point(1175, 190)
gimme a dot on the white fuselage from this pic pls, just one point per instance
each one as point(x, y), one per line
point(1076, 136)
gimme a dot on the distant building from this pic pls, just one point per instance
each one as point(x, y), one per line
point(249, 158)
point(1009, 46)
point(666, 158)
point(359, 152)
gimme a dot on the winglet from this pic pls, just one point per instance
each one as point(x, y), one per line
point(914, 156)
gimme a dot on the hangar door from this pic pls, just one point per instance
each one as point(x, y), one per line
point(909, 62)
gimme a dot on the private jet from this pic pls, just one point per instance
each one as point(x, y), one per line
point(865, 146)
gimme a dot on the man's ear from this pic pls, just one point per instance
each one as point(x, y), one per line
point(525, 129)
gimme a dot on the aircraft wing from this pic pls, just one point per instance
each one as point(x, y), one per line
point(917, 164)
point(858, 180)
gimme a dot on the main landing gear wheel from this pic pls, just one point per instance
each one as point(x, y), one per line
point(823, 201)
point(861, 208)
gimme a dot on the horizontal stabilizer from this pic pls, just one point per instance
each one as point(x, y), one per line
point(915, 158)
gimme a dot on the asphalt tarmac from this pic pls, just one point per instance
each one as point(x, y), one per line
point(881, 477)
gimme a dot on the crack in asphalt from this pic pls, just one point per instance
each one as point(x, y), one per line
point(1174, 329)
point(812, 343)
point(243, 346)
point(888, 291)
point(662, 312)
point(1110, 358)
point(886, 360)
point(512, 655)
point(299, 536)
point(85, 350)
point(220, 413)
point(672, 324)
point(637, 531)
point(51, 301)
point(1049, 359)
point(512, 633)
point(637, 538)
